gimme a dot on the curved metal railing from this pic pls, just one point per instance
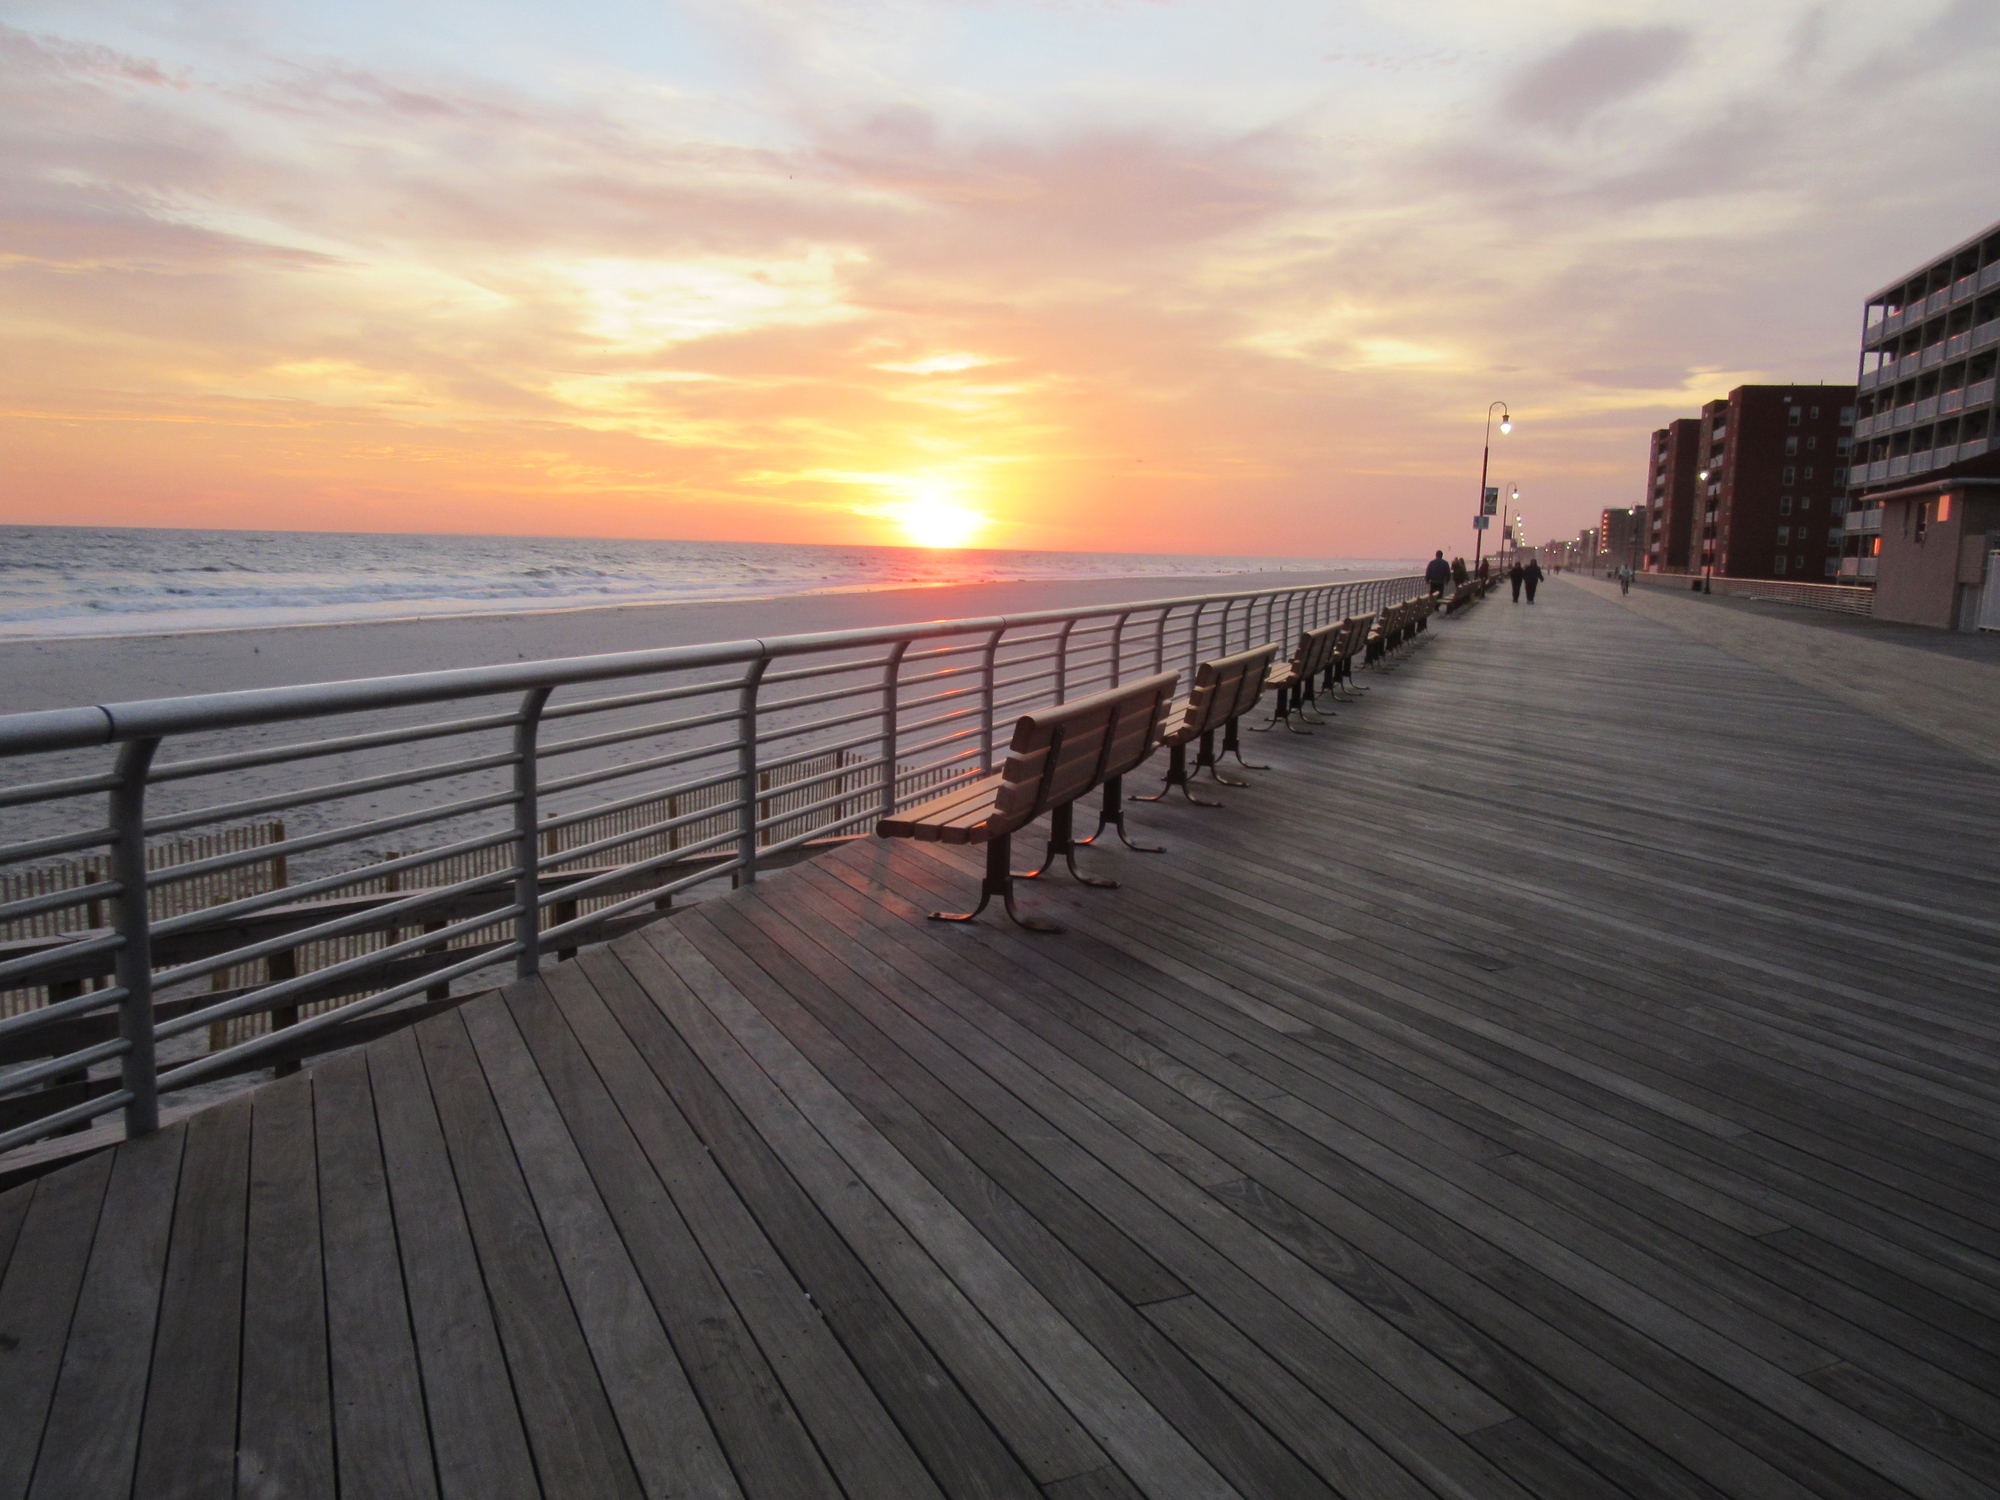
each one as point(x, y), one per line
point(356, 844)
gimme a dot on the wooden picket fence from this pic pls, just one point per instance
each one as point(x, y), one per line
point(791, 806)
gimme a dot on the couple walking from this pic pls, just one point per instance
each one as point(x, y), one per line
point(1531, 576)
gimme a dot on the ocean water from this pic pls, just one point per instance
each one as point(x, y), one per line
point(72, 581)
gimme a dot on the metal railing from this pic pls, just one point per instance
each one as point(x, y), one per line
point(1845, 599)
point(567, 800)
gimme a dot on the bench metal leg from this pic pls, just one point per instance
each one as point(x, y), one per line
point(1177, 776)
point(1206, 761)
point(999, 882)
point(1232, 744)
point(1062, 840)
point(1112, 815)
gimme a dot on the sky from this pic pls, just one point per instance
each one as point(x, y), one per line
point(1199, 276)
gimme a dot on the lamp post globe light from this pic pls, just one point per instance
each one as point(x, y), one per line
point(1485, 455)
point(1707, 552)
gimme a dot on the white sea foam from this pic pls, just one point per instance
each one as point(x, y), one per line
point(76, 581)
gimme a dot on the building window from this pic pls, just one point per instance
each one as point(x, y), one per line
point(1778, 567)
point(1784, 505)
point(1791, 475)
point(1792, 417)
point(1807, 471)
point(1811, 444)
point(1799, 563)
point(1847, 416)
point(1815, 414)
point(1791, 447)
point(1833, 567)
point(1805, 502)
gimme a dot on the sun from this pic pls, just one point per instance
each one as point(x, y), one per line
point(931, 515)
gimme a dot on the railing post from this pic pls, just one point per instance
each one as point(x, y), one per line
point(1194, 640)
point(1062, 660)
point(986, 696)
point(891, 693)
point(1160, 639)
point(134, 963)
point(527, 847)
point(1117, 648)
point(746, 770)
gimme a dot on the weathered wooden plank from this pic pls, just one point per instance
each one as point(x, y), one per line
point(657, 1081)
point(1050, 1442)
point(37, 1302)
point(578, 1448)
point(857, 1439)
point(13, 1209)
point(92, 1437)
point(477, 1439)
point(285, 1427)
point(187, 1444)
point(381, 1430)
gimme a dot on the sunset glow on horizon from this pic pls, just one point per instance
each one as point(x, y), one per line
point(1164, 277)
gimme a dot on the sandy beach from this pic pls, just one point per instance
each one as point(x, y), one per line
point(63, 672)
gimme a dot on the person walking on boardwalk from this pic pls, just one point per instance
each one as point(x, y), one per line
point(1514, 576)
point(1437, 573)
point(1624, 578)
point(1458, 573)
point(1485, 570)
point(1532, 577)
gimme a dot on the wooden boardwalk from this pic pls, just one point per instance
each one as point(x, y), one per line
point(1572, 1072)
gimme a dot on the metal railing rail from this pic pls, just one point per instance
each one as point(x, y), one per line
point(1846, 599)
point(746, 750)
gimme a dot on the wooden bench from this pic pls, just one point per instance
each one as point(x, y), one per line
point(1317, 655)
point(1056, 756)
point(1224, 690)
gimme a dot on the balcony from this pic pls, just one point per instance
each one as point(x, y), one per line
point(1990, 276)
point(1905, 414)
point(1920, 462)
point(1986, 333)
point(1878, 470)
point(1933, 355)
point(1979, 392)
point(1892, 321)
point(1972, 449)
point(1898, 467)
point(1950, 402)
point(1927, 408)
point(1863, 427)
point(1957, 344)
point(1965, 286)
point(1909, 364)
point(1867, 380)
point(1938, 300)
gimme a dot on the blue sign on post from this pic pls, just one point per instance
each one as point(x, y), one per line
point(1479, 523)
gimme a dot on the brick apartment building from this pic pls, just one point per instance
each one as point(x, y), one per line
point(1770, 471)
point(1621, 538)
point(1670, 496)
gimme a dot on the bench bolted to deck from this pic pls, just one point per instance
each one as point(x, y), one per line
point(1224, 690)
point(1056, 756)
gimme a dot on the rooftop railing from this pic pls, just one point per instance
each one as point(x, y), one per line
point(295, 858)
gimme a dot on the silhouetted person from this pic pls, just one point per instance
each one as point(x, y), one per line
point(1437, 573)
point(1514, 576)
point(1458, 573)
point(1485, 569)
point(1532, 577)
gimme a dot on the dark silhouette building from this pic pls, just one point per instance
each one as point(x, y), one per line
point(1769, 475)
point(1670, 496)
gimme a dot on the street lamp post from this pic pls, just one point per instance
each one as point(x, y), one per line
point(1707, 552)
point(1485, 455)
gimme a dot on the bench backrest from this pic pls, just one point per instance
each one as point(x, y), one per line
point(1060, 753)
point(1225, 688)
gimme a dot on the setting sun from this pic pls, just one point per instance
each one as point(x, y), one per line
point(931, 515)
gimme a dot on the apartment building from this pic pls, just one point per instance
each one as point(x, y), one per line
point(1926, 415)
point(1621, 538)
point(1670, 496)
point(1770, 472)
